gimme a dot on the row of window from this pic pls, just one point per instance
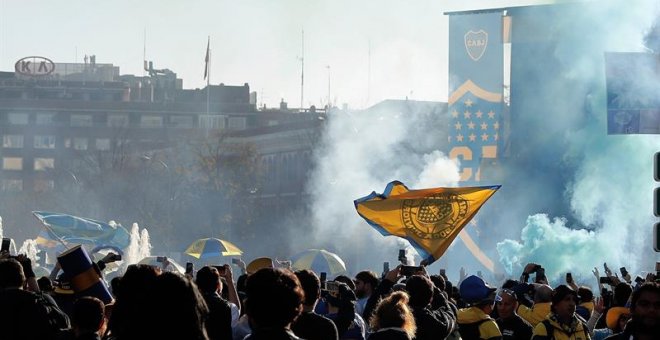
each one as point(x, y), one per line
point(16, 163)
point(146, 121)
point(48, 142)
point(17, 185)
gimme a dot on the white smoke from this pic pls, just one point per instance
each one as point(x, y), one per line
point(29, 248)
point(609, 177)
point(145, 244)
point(363, 151)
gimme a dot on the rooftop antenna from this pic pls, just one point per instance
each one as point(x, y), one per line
point(144, 52)
point(369, 73)
point(302, 72)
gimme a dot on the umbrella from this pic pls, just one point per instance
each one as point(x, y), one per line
point(212, 247)
point(319, 261)
point(153, 261)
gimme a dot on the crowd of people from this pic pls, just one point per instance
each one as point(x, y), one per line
point(265, 302)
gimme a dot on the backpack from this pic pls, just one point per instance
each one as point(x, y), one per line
point(469, 331)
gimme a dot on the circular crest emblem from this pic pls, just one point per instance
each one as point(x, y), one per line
point(434, 217)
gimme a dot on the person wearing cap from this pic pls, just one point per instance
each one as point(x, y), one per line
point(511, 325)
point(562, 323)
point(474, 322)
point(645, 310)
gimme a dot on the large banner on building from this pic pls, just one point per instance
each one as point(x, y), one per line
point(633, 103)
point(475, 89)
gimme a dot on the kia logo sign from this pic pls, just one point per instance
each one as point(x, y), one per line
point(34, 66)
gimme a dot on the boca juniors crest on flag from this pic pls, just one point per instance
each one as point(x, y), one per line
point(430, 219)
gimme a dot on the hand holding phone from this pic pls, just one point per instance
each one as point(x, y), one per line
point(569, 278)
point(6, 242)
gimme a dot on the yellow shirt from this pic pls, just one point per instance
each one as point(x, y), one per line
point(536, 314)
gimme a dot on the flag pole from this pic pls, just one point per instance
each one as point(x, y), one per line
point(47, 226)
point(208, 76)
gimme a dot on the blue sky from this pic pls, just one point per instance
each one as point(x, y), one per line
point(253, 41)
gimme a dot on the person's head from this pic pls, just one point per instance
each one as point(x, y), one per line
point(564, 301)
point(88, 315)
point(478, 293)
point(365, 283)
point(507, 304)
point(347, 280)
point(11, 274)
point(645, 307)
point(393, 311)
point(622, 293)
point(311, 286)
point(420, 290)
point(114, 285)
point(542, 293)
point(585, 293)
point(179, 305)
point(274, 298)
point(616, 318)
point(510, 283)
point(208, 280)
point(45, 284)
point(438, 281)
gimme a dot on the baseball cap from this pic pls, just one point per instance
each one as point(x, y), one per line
point(473, 289)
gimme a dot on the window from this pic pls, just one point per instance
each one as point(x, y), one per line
point(44, 142)
point(117, 120)
point(237, 123)
point(18, 118)
point(12, 141)
point(212, 122)
point(12, 163)
point(185, 122)
point(44, 184)
point(148, 121)
point(103, 144)
point(41, 164)
point(45, 119)
point(81, 120)
point(12, 185)
point(80, 143)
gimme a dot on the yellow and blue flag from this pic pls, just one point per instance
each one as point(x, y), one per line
point(430, 219)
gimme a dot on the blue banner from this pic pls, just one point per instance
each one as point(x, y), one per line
point(475, 90)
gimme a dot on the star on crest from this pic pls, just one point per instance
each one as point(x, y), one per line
point(491, 114)
point(458, 125)
point(479, 114)
point(467, 114)
point(459, 138)
point(484, 137)
point(472, 137)
point(468, 103)
point(484, 126)
point(454, 114)
point(470, 125)
point(496, 126)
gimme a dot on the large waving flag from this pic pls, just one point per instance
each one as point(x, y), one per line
point(430, 219)
point(74, 229)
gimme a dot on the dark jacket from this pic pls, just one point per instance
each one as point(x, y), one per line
point(628, 332)
point(515, 328)
point(389, 334)
point(312, 326)
point(272, 334)
point(218, 323)
point(28, 315)
point(435, 321)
